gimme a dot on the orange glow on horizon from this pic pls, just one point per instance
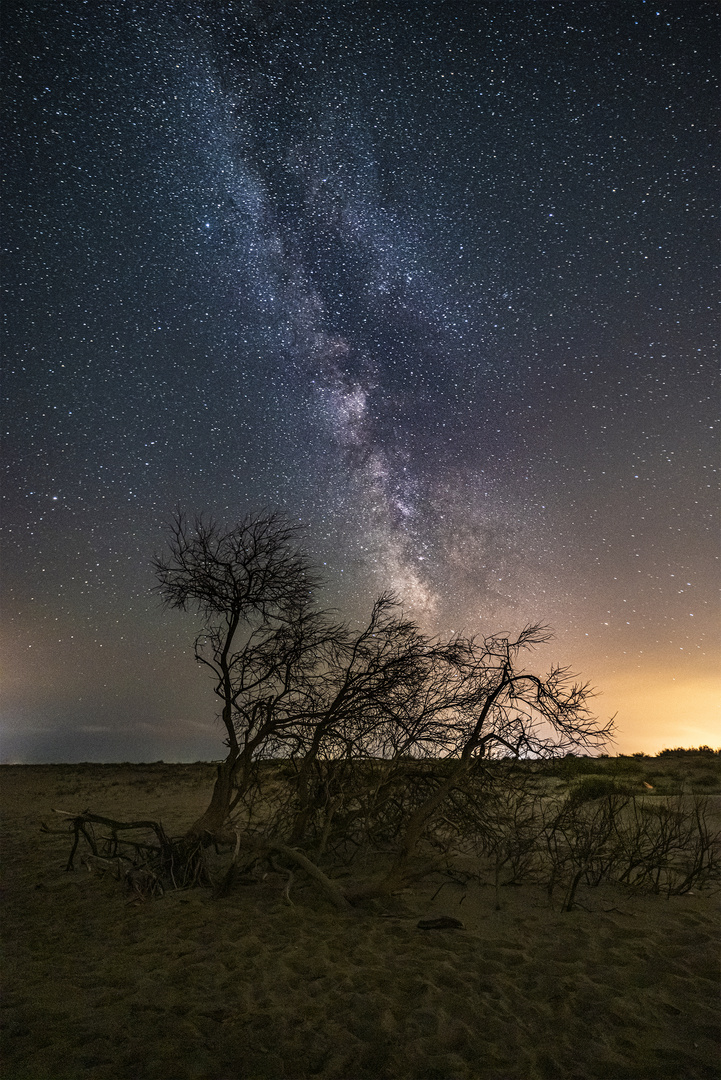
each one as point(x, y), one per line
point(656, 711)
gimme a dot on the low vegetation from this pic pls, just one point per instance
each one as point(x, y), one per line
point(566, 823)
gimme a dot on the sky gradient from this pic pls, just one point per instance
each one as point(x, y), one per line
point(435, 280)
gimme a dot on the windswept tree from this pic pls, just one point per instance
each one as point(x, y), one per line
point(377, 730)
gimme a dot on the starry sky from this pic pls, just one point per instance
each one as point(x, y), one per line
point(433, 279)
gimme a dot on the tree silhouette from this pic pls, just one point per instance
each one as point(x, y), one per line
point(342, 740)
point(253, 587)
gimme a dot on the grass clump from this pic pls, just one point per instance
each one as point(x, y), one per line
point(595, 787)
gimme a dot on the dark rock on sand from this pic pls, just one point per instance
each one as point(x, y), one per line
point(440, 922)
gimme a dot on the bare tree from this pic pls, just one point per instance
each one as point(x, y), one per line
point(339, 738)
point(253, 587)
point(496, 706)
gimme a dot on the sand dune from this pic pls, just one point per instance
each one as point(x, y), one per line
point(247, 986)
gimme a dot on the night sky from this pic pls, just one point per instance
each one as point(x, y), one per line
point(433, 279)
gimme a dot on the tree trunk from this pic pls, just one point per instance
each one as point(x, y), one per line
point(400, 872)
point(302, 817)
point(211, 822)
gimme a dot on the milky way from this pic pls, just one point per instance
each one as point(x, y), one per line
point(433, 280)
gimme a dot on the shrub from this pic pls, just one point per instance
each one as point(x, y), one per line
point(594, 787)
point(624, 764)
point(570, 766)
point(706, 750)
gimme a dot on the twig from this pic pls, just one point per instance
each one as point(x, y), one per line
point(290, 878)
point(435, 894)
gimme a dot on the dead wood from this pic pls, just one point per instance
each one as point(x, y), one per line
point(253, 848)
point(334, 894)
point(143, 884)
point(94, 864)
point(179, 860)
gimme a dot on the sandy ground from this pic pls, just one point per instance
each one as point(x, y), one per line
point(248, 987)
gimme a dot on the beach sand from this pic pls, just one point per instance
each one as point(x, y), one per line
point(248, 987)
